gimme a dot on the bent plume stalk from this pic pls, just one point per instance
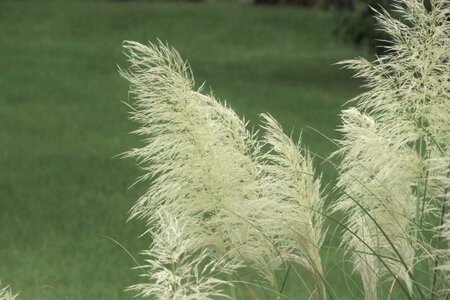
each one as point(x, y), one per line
point(210, 173)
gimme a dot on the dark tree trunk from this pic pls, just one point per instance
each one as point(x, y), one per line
point(345, 4)
point(301, 2)
point(341, 4)
point(266, 1)
point(293, 2)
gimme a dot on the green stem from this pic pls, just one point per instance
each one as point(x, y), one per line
point(232, 288)
point(439, 239)
point(424, 196)
point(285, 279)
point(420, 196)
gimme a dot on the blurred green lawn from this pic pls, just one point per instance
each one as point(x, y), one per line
point(62, 120)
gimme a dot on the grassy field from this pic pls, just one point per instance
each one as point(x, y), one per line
point(62, 120)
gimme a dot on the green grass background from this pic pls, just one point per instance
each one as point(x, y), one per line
point(62, 121)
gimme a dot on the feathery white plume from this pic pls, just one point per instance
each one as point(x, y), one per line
point(400, 126)
point(295, 223)
point(179, 268)
point(199, 156)
point(7, 294)
point(208, 171)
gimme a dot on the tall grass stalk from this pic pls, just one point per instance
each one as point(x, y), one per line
point(395, 141)
point(210, 173)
